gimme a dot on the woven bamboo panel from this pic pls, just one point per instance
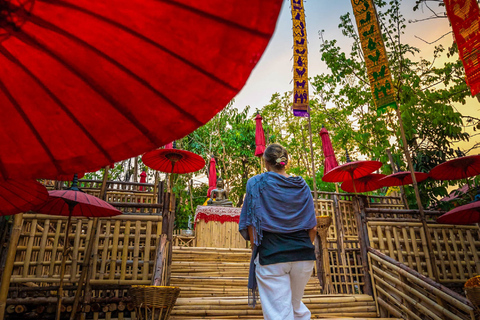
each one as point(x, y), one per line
point(384, 202)
point(123, 249)
point(457, 249)
point(400, 292)
point(219, 235)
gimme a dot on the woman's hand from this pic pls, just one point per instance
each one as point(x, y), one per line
point(250, 235)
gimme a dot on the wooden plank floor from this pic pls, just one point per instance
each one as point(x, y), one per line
point(214, 286)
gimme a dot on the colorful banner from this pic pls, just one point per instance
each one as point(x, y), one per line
point(464, 17)
point(300, 60)
point(375, 54)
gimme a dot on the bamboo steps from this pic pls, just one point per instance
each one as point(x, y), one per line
point(214, 286)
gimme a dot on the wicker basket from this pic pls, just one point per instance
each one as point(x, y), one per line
point(153, 302)
point(473, 294)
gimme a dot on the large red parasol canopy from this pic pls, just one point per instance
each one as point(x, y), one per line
point(460, 168)
point(364, 184)
point(351, 171)
point(466, 214)
point(173, 161)
point(109, 77)
point(259, 136)
point(330, 160)
point(402, 178)
point(20, 195)
point(212, 176)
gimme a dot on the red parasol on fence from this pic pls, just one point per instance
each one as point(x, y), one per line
point(330, 160)
point(351, 171)
point(466, 214)
point(110, 76)
point(460, 168)
point(173, 161)
point(402, 178)
point(73, 202)
point(259, 136)
point(212, 176)
point(20, 195)
point(364, 184)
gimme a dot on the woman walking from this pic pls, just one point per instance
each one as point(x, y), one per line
point(278, 217)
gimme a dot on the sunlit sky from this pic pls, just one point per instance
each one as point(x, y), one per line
point(274, 72)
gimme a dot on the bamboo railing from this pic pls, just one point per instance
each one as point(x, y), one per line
point(404, 293)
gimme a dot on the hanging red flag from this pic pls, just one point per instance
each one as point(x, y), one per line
point(259, 136)
point(464, 16)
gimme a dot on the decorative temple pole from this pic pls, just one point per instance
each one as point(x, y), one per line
point(383, 92)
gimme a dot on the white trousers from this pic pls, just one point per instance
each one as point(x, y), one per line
point(281, 287)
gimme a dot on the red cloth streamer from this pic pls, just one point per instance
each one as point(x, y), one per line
point(214, 217)
point(259, 136)
point(212, 177)
point(330, 160)
point(464, 16)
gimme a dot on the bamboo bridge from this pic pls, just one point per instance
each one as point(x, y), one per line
point(380, 265)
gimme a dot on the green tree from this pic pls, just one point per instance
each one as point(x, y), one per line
point(426, 91)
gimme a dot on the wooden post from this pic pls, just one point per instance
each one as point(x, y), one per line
point(7, 271)
point(87, 263)
point(394, 170)
point(135, 171)
point(364, 243)
point(315, 194)
point(62, 266)
point(431, 254)
point(340, 242)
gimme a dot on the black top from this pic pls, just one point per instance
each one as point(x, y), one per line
point(285, 247)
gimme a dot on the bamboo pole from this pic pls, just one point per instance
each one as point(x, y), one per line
point(419, 200)
point(86, 268)
point(62, 265)
point(7, 271)
point(394, 170)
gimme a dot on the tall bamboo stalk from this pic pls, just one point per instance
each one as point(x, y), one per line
point(419, 200)
point(313, 162)
point(7, 271)
point(394, 170)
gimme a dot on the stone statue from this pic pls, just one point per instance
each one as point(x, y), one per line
point(221, 197)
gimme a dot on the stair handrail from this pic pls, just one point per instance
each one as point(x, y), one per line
point(408, 302)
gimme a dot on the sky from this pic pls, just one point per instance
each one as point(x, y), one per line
point(274, 72)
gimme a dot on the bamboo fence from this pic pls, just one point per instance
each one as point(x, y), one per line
point(404, 293)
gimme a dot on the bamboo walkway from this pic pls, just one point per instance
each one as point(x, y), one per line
point(214, 286)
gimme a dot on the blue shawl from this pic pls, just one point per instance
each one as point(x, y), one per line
point(278, 204)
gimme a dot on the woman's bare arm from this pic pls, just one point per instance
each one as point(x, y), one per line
point(311, 233)
point(250, 235)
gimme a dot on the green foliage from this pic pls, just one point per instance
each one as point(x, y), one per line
point(426, 91)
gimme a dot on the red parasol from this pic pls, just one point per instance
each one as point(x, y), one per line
point(212, 176)
point(259, 136)
point(330, 160)
point(402, 178)
point(364, 184)
point(110, 76)
point(73, 202)
point(466, 214)
point(460, 168)
point(20, 195)
point(351, 171)
point(173, 161)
